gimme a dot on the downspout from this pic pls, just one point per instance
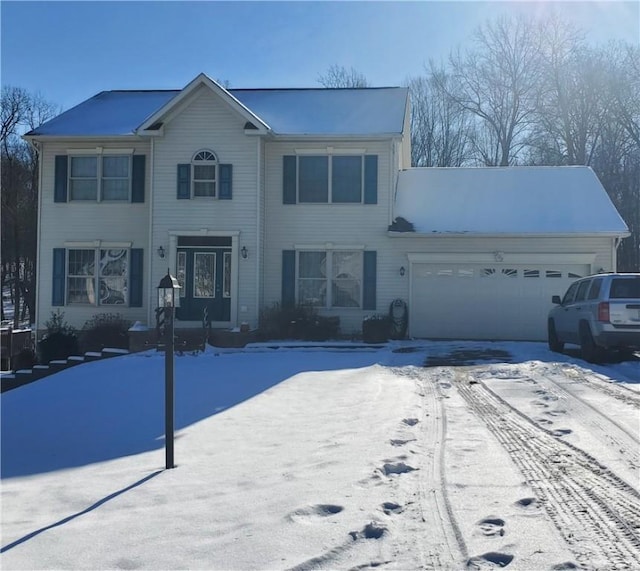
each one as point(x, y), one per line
point(392, 175)
point(38, 147)
point(258, 228)
point(614, 253)
point(150, 241)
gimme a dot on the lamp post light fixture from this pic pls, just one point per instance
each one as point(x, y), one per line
point(402, 271)
point(244, 252)
point(168, 299)
point(161, 251)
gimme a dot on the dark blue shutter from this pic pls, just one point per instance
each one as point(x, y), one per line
point(135, 277)
point(371, 179)
point(226, 175)
point(288, 278)
point(137, 178)
point(60, 185)
point(289, 177)
point(184, 181)
point(369, 280)
point(57, 290)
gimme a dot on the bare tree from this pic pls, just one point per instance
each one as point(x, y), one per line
point(340, 76)
point(440, 128)
point(21, 111)
point(498, 82)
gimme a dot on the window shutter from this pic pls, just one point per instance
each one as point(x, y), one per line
point(369, 280)
point(226, 175)
point(288, 278)
point(184, 181)
point(135, 277)
point(60, 184)
point(371, 179)
point(57, 290)
point(137, 178)
point(289, 176)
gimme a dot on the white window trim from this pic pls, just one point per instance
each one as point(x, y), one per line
point(96, 246)
point(329, 277)
point(330, 156)
point(99, 153)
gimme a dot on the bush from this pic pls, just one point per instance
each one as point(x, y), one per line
point(59, 342)
point(298, 322)
point(375, 328)
point(105, 330)
point(25, 359)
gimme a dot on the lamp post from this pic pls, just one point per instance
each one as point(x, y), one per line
point(167, 300)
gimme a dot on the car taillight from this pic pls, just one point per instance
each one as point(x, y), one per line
point(603, 311)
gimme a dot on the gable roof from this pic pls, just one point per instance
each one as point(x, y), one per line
point(287, 112)
point(506, 200)
point(203, 80)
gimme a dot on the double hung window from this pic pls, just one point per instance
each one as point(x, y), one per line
point(103, 178)
point(330, 278)
point(97, 276)
point(330, 178)
point(204, 167)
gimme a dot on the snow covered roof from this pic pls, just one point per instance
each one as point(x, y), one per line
point(333, 112)
point(109, 113)
point(506, 200)
point(362, 111)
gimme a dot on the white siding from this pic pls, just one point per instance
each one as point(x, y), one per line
point(86, 221)
point(341, 224)
point(206, 122)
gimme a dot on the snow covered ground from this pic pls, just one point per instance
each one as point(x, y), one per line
point(327, 458)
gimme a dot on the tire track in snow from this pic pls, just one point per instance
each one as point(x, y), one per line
point(619, 437)
point(597, 513)
point(617, 391)
point(447, 547)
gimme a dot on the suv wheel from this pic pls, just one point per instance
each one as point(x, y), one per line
point(588, 349)
point(552, 337)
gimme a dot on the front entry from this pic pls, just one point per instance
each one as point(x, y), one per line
point(204, 274)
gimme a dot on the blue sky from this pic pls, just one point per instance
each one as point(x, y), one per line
point(68, 51)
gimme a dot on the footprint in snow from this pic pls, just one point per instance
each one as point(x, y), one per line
point(491, 526)
point(315, 512)
point(491, 560)
point(396, 468)
point(561, 431)
point(390, 508)
point(529, 504)
point(410, 421)
point(399, 442)
point(372, 530)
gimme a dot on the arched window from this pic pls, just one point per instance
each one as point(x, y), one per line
point(204, 166)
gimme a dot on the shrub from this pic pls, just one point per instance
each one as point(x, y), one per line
point(298, 322)
point(60, 341)
point(25, 359)
point(375, 328)
point(105, 330)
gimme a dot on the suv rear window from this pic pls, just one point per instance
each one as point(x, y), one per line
point(625, 288)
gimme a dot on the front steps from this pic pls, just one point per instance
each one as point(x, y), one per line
point(14, 379)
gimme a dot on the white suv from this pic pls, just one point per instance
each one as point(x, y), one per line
point(600, 313)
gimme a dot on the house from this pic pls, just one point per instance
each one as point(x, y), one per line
point(260, 196)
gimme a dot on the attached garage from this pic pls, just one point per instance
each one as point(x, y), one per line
point(487, 248)
point(502, 301)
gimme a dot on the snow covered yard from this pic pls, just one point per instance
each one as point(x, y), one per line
point(328, 458)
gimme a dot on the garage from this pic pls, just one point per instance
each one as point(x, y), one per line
point(488, 247)
point(486, 300)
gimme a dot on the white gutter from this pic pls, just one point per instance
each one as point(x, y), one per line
point(618, 235)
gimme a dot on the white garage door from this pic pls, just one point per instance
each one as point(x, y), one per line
point(485, 301)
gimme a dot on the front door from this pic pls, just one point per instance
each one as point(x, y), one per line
point(204, 273)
